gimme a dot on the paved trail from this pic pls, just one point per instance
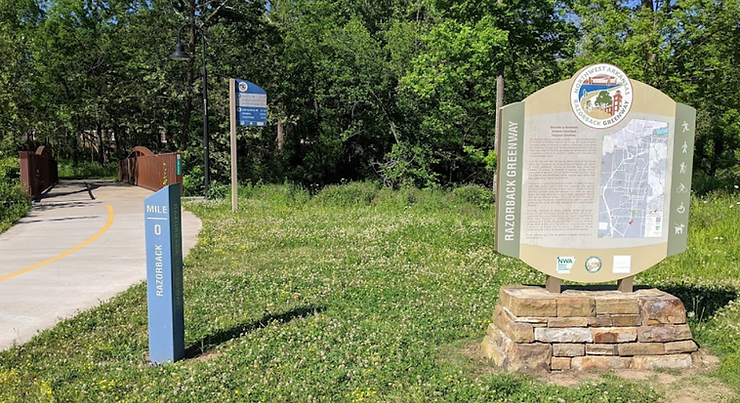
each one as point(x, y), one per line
point(81, 244)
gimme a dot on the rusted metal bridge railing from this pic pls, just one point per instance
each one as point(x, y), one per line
point(144, 168)
point(39, 171)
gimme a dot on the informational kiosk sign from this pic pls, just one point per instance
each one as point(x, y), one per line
point(594, 177)
point(251, 104)
point(163, 232)
point(248, 107)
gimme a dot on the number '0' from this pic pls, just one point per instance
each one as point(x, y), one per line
point(157, 229)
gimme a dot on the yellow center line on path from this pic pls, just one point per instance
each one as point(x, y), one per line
point(111, 215)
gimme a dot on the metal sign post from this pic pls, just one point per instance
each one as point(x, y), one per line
point(232, 125)
point(163, 235)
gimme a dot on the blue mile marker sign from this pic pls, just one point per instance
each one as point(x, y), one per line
point(251, 104)
point(163, 230)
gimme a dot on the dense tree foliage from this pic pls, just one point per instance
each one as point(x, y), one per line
point(402, 91)
point(689, 49)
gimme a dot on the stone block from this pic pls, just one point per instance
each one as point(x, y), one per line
point(518, 332)
point(529, 301)
point(625, 320)
point(569, 306)
point(488, 348)
point(511, 356)
point(496, 345)
point(528, 357)
point(630, 349)
point(600, 321)
point(505, 293)
point(568, 350)
point(683, 332)
point(602, 349)
point(560, 363)
point(697, 359)
point(614, 334)
point(616, 304)
point(662, 361)
point(663, 309)
point(649, 292)
point(531, 320)
point(567, 322)
point(591, 362)
point(563, 335)
point(666, 333)
point(678, 347)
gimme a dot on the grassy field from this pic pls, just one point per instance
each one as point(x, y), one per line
point(357, 294)
point(87, 169)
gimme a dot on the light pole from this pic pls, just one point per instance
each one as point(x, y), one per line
point(181, 54)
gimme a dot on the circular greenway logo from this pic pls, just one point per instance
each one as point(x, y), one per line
point(593, 264)
point(243, 87)
point(601, 95)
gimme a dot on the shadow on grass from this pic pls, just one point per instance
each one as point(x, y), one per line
point(208, 343)
point(703, 301)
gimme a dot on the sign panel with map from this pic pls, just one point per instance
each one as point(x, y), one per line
point(594, 177)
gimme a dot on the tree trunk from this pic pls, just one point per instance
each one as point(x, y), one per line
point(280, 139)
point(101, 146)
point(117, 136)
point(499, 105)
point(648, 5)
point(91, 144)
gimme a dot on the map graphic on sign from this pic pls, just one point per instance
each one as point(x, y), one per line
point(633, 180)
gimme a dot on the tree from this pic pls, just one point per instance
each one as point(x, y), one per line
point(686, 48)
point(18, 19)
point(451, 84)
point(603, 99)
point(338, 86)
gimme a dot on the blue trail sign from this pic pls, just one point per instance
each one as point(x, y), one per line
point(251, 104)
point(163, 233)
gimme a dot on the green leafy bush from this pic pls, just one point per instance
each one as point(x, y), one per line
point(218, 191)
point(87, 170)
point(473, 194)
point(13, 204)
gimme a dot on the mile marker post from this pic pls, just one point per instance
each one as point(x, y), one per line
point(163, 238)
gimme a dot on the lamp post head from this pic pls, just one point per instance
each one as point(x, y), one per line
point(179, 53)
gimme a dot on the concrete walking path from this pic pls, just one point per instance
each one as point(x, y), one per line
point(81, 244)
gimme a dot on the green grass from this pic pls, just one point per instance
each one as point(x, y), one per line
point(87, 170)
point(358, 294)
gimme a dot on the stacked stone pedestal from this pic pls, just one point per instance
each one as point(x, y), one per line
point(582, 330)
